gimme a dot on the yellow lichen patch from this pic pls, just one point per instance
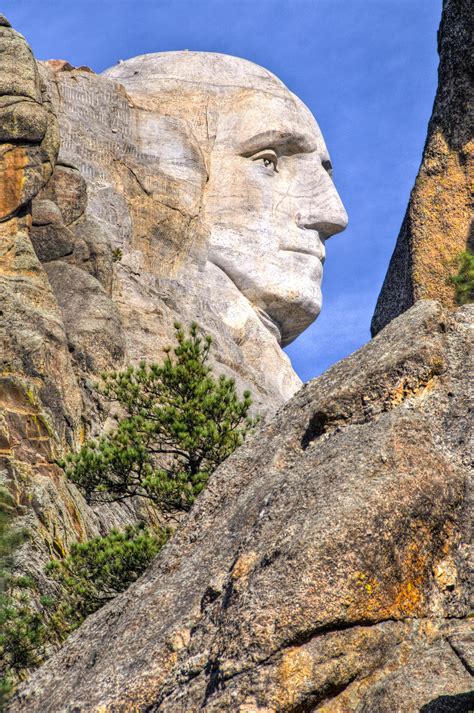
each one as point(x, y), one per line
point(385, 597)
point(369, 584)
point(76, 521)
point(58, 547)
point(294, 674)
point(405, 390)
point(439, 235)
point(82, 434)
point(244, 564)
point(408, 599)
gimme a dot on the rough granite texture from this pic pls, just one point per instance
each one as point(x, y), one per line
point(86, 169)
point(438, 222)
point(326, 566)
point(28, 128)
point(45, 399)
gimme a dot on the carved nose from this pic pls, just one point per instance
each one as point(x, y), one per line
point(326, 224)
point(327, 228)
point(328, 216)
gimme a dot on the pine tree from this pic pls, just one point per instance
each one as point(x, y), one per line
point(22, 630)
point(181, 423)
point(95, 571)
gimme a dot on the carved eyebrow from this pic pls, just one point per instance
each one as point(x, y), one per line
point(282, 142)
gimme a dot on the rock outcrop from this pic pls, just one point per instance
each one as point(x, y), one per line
point(206, 231)
point(40, 399)
point(123, 212)
point(29, 132)
point(437, 225)
point(326, 566)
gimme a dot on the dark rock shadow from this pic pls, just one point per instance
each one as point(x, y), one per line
point(460, 703)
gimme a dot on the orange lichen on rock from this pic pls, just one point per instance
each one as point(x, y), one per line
point(244, 564)
point(391, 596)
point(13, 165)
point(439, 233)
point(295, 673)
point(437, 226)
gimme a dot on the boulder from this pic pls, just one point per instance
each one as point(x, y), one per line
point(326, 565)
point(29, 134)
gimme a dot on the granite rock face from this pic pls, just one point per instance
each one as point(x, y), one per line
point(29, 133)
point(33, 343)
point(437, 225)
point(220, 208)
point(43, 399)
point(326, 566)
point(123, 212)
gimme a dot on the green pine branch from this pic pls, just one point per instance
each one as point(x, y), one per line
point(181, 423)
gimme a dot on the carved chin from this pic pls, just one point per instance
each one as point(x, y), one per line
point(293, 318)
point(285, 309)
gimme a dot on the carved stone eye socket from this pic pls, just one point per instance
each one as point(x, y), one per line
point(268, 158)
point(327, 165)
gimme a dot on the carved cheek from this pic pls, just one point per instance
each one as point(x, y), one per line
point(238, 191)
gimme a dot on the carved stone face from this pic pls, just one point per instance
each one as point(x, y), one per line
point(268, 201)
point(270, 205)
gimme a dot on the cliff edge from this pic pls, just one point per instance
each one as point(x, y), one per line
point(437, 225)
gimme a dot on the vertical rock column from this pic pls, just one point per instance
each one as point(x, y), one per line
point(40, 402)
point(437, 224)
point(33, 347)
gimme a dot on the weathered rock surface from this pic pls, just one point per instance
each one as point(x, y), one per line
point(28, 134)
point(437, 225)
point(33, 344)
point(325, 567)
point(173, 149)
point(168, 189)
point(43, 402)
point(40, 399)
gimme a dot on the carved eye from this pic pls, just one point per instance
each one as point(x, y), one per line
point(268, 158)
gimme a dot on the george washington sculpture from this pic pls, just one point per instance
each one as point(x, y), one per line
point(212, 182)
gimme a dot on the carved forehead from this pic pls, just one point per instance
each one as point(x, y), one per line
point(207, 90)
point(255, 121)
point(178, 71)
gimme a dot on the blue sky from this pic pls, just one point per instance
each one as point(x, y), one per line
point(367, 70)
